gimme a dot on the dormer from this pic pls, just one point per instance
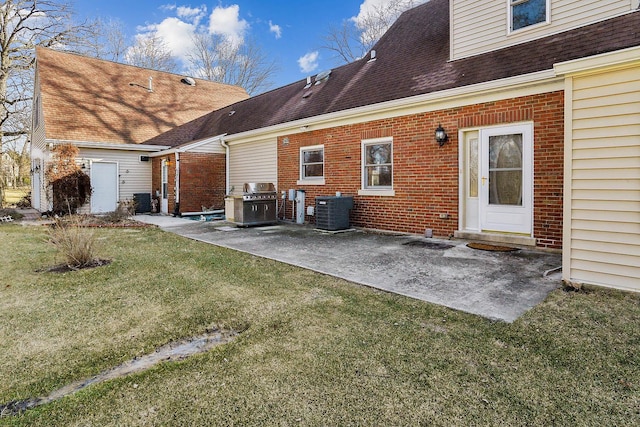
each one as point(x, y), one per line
point(482, 26)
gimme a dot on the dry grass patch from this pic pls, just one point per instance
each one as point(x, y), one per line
point(315, 350)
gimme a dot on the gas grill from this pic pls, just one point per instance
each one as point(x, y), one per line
point(257, 205)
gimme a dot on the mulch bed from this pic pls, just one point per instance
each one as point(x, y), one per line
point(66, 268)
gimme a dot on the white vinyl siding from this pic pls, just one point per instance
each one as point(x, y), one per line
point(252, 162)
point(39, 151)
point(213, 147)
point(479, 27)
point(134, 175)
point(605, 180)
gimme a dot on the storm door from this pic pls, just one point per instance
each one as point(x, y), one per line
point(164, 200)
point(506, 179)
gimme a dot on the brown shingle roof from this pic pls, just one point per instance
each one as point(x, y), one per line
point(412, 59)
point(88, 99)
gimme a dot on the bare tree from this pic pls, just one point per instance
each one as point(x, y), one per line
point(353, 38)
point(216, 58)
point(25, 24)
point(106, 39)
point(151, 52)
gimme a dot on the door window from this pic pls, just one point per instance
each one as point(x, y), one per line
point(505, 170)
point(165, 183)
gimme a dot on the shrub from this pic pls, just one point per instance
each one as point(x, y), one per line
point(71, 186)
point(125, 209)
point(25, 202)
point(76, 243)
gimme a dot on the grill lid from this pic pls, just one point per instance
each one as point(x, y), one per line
point(258, 187)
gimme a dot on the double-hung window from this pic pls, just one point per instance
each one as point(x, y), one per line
point(312, 165)
point(377, 167)
point(524, 13)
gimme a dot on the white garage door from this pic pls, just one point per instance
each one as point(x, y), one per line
point(104, 185)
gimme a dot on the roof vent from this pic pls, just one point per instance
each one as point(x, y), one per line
point(373, 56)
point(188, 81)
point(307, 94)
point(308, 82)
point(232, 112)
point(322, 76)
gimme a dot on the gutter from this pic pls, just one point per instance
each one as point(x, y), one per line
point(108, 145)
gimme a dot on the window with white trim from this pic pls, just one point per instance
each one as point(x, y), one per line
point(377, 164)
point(312, 163)
point(524, 13)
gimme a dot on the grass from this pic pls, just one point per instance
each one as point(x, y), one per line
point(314, 350)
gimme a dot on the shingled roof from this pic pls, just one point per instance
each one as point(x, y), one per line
point(412, 59)
point(88, 99)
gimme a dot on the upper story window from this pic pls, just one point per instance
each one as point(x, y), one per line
point(312, 165)
point(524, 13)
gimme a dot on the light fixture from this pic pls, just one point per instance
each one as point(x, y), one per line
point(441, 135)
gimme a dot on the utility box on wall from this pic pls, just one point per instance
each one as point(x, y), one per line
point(332, 212)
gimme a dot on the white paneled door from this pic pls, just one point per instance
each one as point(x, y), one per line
point(104, 185)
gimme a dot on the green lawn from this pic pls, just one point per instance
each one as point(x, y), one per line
point(314, 350)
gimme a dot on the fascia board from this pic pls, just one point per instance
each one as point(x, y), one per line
point(188, 146)
point(606, 61)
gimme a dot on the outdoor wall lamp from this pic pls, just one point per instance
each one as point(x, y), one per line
point(441, 135)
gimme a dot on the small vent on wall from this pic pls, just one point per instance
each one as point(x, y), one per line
point(144, 158)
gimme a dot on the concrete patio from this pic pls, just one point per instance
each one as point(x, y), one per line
point(496, 285)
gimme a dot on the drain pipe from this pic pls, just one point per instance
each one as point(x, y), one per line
point(227, 175)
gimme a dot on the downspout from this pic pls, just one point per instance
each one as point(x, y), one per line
point(176, 209)
point(226, 169)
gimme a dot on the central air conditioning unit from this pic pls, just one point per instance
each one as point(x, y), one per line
point(332, 212)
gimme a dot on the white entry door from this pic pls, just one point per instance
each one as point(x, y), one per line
point(506, 179)
point(164, 200)
point(104, 186)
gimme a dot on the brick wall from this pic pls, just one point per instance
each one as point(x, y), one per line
point(202, 181)
point(156, 178)
point(425, 175)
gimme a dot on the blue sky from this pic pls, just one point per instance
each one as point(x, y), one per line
point(288, 31)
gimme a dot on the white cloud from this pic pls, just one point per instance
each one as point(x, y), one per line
point(275, 29)
point(309, 62)
point(175, 33)
point(178, 29)
point(193, 14)
point(226, 21)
